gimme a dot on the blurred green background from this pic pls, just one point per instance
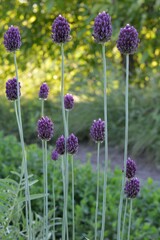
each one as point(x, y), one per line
point(39, 61)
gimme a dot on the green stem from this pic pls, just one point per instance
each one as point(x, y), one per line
point(67, 170)
point(44, 198)
point(42, 107)
point(64, 193)
point(106, 144)
point(67, 127)
point(73, 222)
point(27, 192)
point(125, 151)
point(44, 179)
point(130, 215)
point(62, 91)
point(97, 196)
point(54, 203)
point(124, 218)
point(65, 222)
point(46, 188)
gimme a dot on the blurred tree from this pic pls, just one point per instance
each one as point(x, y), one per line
point(39, 58)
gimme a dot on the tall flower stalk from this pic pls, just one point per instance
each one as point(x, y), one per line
point(69, 104)
point(45, 129)
point(12, 42)
point(132, 188)
point(97, 133)
point(97, 194)
point(61, 35)
point(72, 148)
point(124, 218)
point(125, 150)
point(54, 156)
point(102, 34)
point(127, 44)
point(43, 94)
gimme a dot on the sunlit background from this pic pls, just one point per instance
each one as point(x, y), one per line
point(39, 61)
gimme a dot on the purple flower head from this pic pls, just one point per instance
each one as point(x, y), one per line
point(11, 89)
point(60, 30)
point(43, 92)
point(68, 101)
point(12, 39)
point(60, 145)
point(72, 144)
point(102, 29)
point(128, 40)
point(55, 155)
point(97, 130)
point(132, 187)
point(45, 128)
point(130, 168)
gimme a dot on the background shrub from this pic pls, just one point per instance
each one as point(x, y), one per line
point(145, 220)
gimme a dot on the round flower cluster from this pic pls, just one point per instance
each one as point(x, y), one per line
point(11, 89)
point(60, 145)
point(43, 92)
point(12, 39)
point(68, 101)
point(55, 155)
point(97, 130)
point(45, 128)
point(128, 40)
point(130, 168)
point(102, 29)
point(132, 186)
point(60, 30)
point(71, 144)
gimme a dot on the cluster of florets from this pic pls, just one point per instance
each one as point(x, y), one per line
point(71, 144)
point(128, 40)
point(45, 128)
point(60, 30)
point(97, 130)
point(55, 155)
point(132, 186)
point(102, 29)
point(43, 92)
point(130, 168)
point(68, 101)
point(11, 89)
point(12, 39)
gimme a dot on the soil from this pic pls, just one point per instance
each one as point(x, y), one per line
point(145, 168)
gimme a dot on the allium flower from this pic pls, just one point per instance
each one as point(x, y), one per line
point(102, 29)
point(68, 101)
point(11, 89)
point(60, 30)
point(12, 39)
point(128, 40)
point(43, 92)
point(97, 130)
point(55, 155)
point(45, 128)
point(72, 144)
point(132, 188)
point(60, 145)
point(130, 168)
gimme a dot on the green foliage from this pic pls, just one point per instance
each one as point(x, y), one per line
point(145, 218)
point(82, 55)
